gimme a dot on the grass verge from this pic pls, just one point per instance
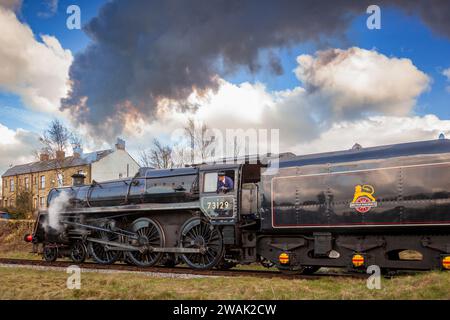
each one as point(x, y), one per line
point(33, 284)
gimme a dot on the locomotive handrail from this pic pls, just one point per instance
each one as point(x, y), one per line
point(119, 232)
point(128, 192)
point(95, 183)
point(138, 207)
point(88, 195)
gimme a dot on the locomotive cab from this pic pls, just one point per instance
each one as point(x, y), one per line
point(229, 205)
point(219, 203)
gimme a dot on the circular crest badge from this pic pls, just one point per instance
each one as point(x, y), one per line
point(363, 200)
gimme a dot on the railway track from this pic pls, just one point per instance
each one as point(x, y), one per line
point(177, 270)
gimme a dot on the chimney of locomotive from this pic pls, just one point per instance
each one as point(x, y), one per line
point(357, 146)
point(120, 144)
point(78, 179)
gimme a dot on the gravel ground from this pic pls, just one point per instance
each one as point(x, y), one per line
point(150, 274)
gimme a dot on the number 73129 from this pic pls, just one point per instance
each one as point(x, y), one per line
point(217, 205)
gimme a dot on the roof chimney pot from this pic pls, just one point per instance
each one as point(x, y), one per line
point(60, 155)
point(120, 144)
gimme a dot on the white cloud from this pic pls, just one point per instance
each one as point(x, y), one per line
point(51, 7)
point(16, 147)
point(348, 96)
point(446, 73)
point(358, 81)
point(377, 130)
point(36, 71)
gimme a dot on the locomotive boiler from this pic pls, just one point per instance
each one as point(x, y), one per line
point(386, 206)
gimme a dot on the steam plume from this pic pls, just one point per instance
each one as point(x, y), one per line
point(144, 51)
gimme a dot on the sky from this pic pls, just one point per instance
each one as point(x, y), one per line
point(139, 69)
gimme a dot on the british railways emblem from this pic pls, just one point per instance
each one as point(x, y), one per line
point(363, 200)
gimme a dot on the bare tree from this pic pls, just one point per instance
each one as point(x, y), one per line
point(181, 156)
point(190, 133)
point(75, 140)
point(144, 158)
point(55, 138)
point(158, 156)
point(201, 142)
point(236, 148)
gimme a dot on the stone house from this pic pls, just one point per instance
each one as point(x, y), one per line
point(41, 176)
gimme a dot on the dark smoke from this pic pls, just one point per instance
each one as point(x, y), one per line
point(143, 50)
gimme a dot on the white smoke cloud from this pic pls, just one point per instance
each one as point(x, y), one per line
point(56, 207)
point(339, 87)
point(36, 71)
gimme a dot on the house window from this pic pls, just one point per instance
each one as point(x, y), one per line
point(11, 185)
point(6, 203)
point(42, 182)
point(35, 180)
point(41, 202)
point(60, 179)
point(27, 183)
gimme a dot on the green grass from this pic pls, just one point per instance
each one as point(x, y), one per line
point(27, 283)
point(20, 255)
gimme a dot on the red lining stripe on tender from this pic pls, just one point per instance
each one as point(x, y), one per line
point(361, 223)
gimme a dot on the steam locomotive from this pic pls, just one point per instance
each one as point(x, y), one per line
point(348, 209)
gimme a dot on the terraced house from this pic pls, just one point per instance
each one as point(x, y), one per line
point(40, 177)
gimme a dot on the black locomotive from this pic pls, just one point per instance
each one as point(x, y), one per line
point(350, 209)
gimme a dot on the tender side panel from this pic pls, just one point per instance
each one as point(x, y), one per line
point(425, 191)
point(416, 194)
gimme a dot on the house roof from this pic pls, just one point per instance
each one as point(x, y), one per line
point(39, 166)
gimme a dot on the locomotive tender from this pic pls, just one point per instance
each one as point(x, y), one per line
point(348, 209)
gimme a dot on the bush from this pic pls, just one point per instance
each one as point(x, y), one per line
point(23, 208)
point(15, 213)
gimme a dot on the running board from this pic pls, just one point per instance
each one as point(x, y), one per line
point(119, 246)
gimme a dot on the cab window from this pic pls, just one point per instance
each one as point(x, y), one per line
point(220, 182)
point(210, 182)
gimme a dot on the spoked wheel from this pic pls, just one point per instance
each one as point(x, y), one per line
point(200, 234)
point(50, 253)
point(149, 234)
point(100, 252)
point(78, 252)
